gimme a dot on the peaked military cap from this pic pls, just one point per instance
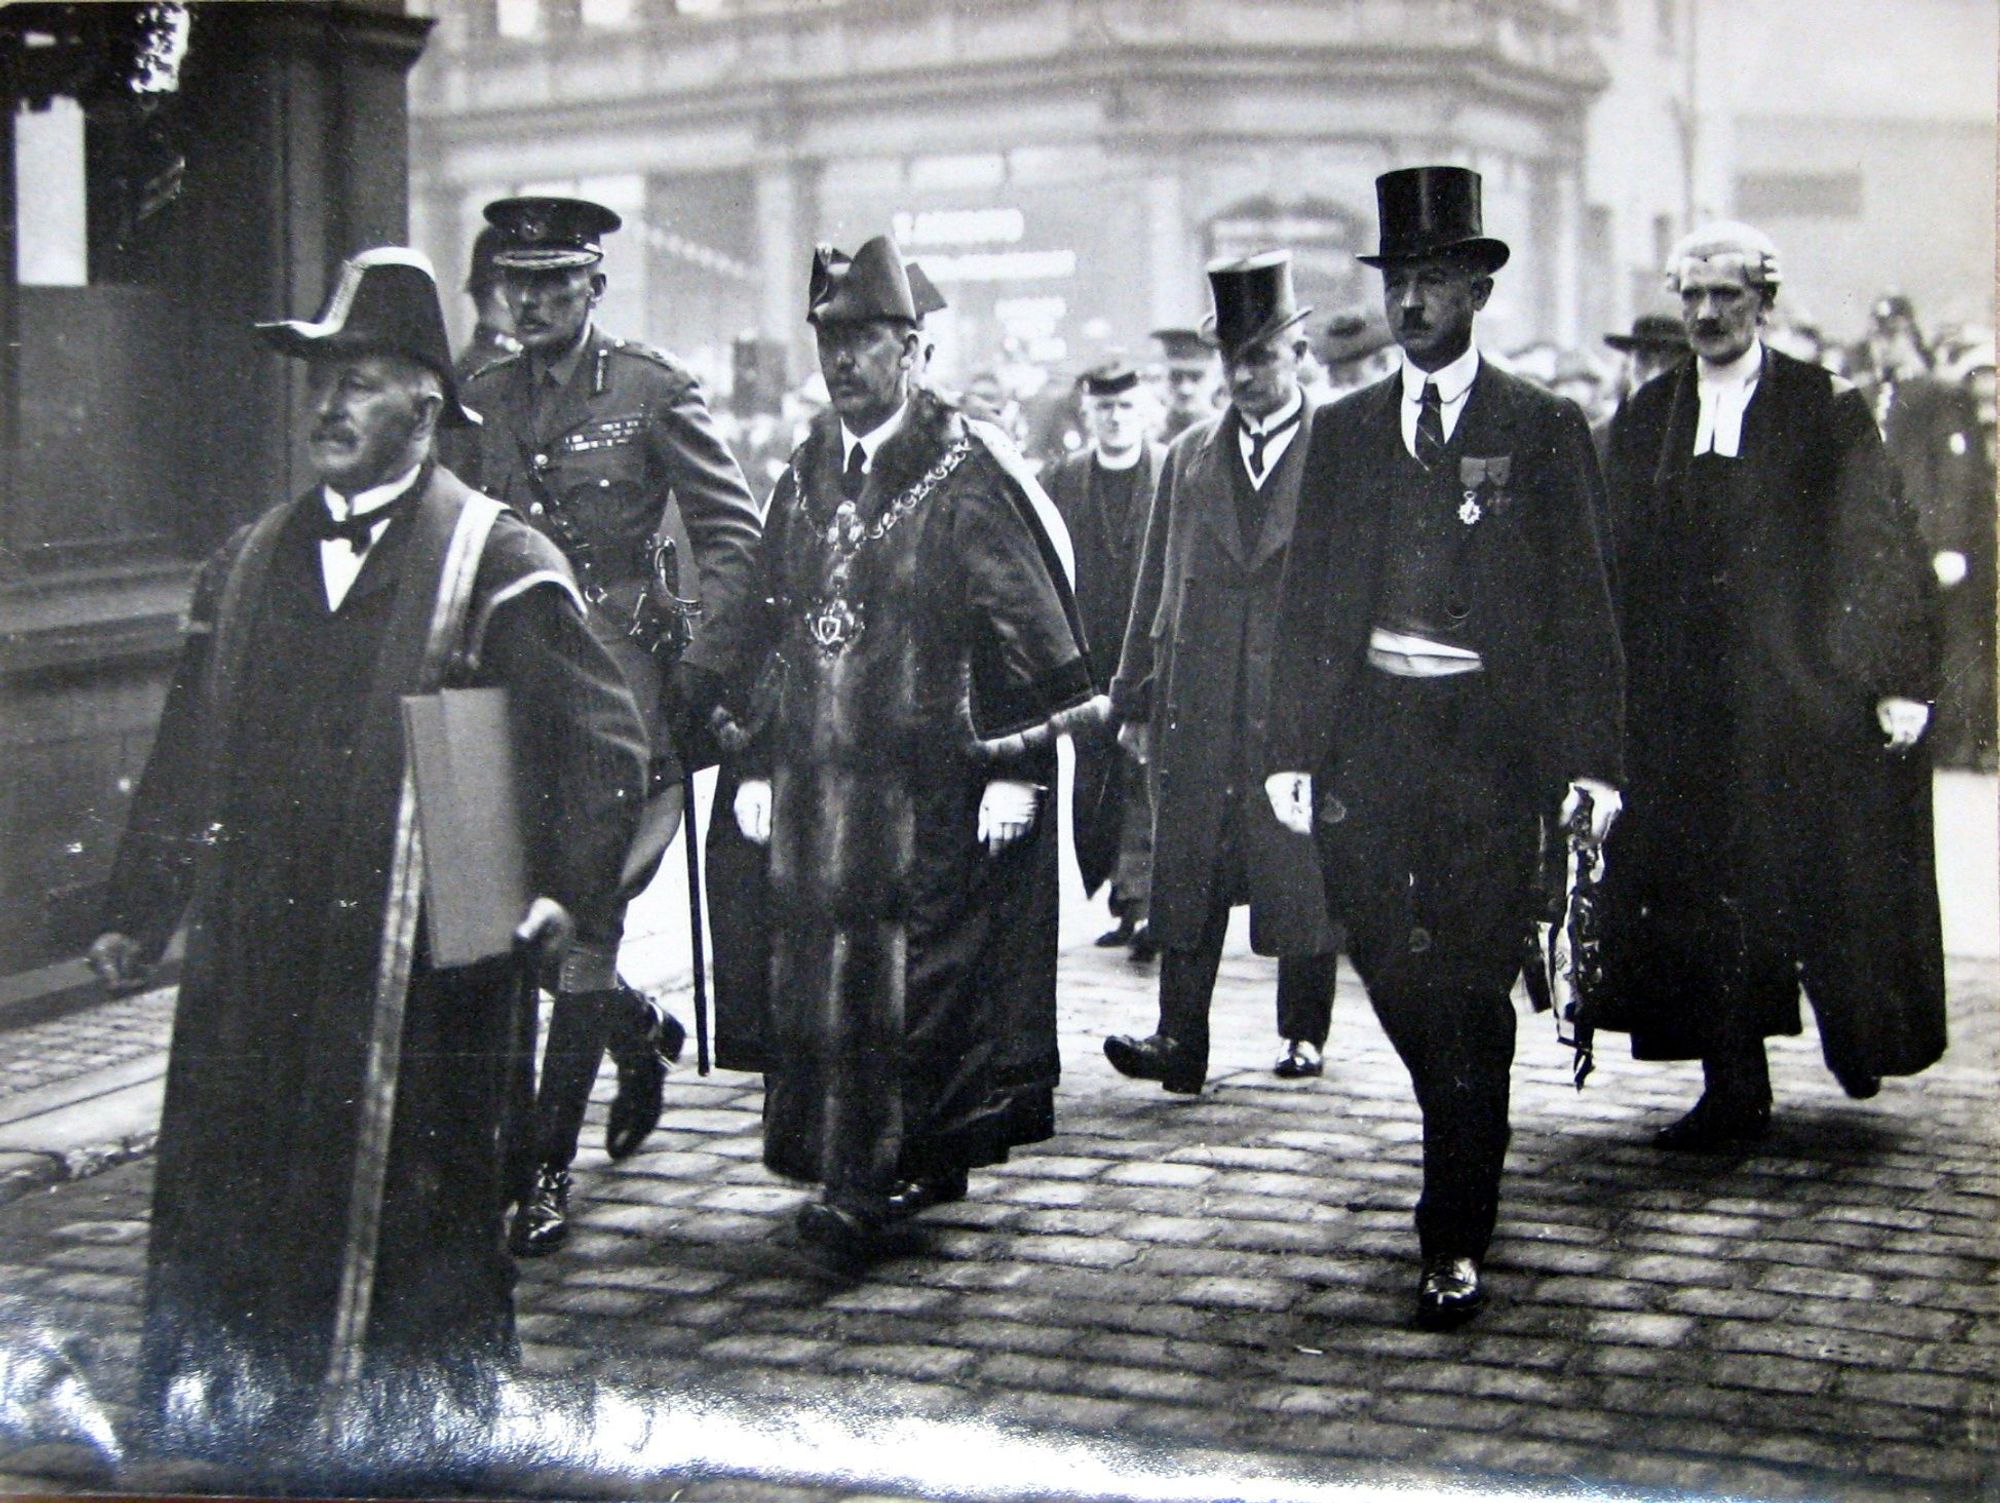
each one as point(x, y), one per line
point(545, 233)
point(384, 302)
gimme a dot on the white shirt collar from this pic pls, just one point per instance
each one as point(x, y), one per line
point(1274, 420)
point(873, 439)
point(1130, 458)
point(1722, 394)
point(1741, 371)
point(373, 499)
point(1453, 382)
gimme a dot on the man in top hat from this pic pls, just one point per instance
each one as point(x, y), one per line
point(1930, 427)
point(590, 437)
point(1655, 346)
point(912, 589)
point(1781, 650)
point(493, 332)
point(1446, 679)
point(1105, 492)
point(328, 1199)
point(1193, 686)
point(1188, 371)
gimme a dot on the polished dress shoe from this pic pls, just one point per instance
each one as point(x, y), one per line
point(542, 1223)
point(846, 1233)
point(1122, 935)
point(642, 1050)
point(925, 1191)
point(1714, 1126)
point(1144, 946)
point(1448, 1294)
point(1858, 1083)
point(1155, 1058)
point(1300, 1060)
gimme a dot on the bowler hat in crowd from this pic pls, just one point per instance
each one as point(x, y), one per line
point(545, 233)
point(384, 302)
point(1651, 331)
point(1253, 299)
point(1429, 211)
point(872, 283)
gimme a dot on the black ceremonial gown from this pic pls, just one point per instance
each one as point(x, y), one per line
point(287, 853)
point(912, 999)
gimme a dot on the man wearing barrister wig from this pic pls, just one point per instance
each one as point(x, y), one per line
point(588, 436)
point(329, 1193)
point(1447, 677)
point(1778, 617)
point(1105, 493)
point(913, 590)
point(1192, 692)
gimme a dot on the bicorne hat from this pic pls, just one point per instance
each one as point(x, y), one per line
point(1428, 211)
point(1253, 299)
point(872, 283)
point(924, 295)
point(545, 233)
point(384, 302)
point(1651, 331)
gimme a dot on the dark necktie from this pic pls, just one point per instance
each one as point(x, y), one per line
point(357, 532)
point(1430, 427)
point(1261, 440)
point(852, 478)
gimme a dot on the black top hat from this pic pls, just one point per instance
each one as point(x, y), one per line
point(1354, 336)
point(384, 302)
point(1426, 211)
point(872, 283)
point(924, 295)
point(1651, 331)
point(1109, 379)
point(1253, 299)
point(1183, 345)
point(548, 234)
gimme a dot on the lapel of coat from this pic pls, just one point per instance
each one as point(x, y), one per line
point(1213, 483)
point(1368, 458)
point(1281, 489)
point(1677, 447)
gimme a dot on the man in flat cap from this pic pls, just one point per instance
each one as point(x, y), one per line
point(1188, 373)
point(591, 437)
point(1105, 492)
point(1930, 427)
point(328, 1201)
point(1193, 686)
point(1446, 680)
point(1777, 610)
point(912, 587)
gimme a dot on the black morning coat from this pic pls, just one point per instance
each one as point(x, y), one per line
point(1197, 667)
point(1828, 836)
point(1538, 606)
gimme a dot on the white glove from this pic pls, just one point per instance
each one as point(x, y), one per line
point(1902, 720)
point(753, 810)
point(1291, 796)
point(1006, 813)
point(1949, 568)
point(1606, 804)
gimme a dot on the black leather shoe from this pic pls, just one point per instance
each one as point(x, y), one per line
point(1448, 1294)
point(1122, 935)
point(1712, 1127)
point(929, 1190)
point(1155, 1058)
point(1144, 946)
point(642, 1053)
point(1300, 1060)
point(1858, 1084)
point(846, 1234)
point(542, 1223)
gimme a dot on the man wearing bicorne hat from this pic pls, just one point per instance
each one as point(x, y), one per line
point(1187, 374)
point(1447, 678)
point(912, 587)
point(590, 437)
point(328, 1200)
point(1193, 686)
point(1105, 492)
point(1780, 636)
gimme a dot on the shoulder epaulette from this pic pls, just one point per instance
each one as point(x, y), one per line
point(647, 353)
point(493, 365)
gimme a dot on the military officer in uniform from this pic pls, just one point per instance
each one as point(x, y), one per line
point(588, 436)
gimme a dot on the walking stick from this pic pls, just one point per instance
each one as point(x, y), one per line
point(690, 830)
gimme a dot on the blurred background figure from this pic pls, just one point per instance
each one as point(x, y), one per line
point(1656, 344)
point(1188, 380)
point(493, 334)
point(1577, 377)
point(1930, 427)
point(1357, 350)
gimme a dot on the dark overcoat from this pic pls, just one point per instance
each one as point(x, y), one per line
point(1107, 566)
point(1761, 798)
point(1196, 667)
point(1530, 576)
